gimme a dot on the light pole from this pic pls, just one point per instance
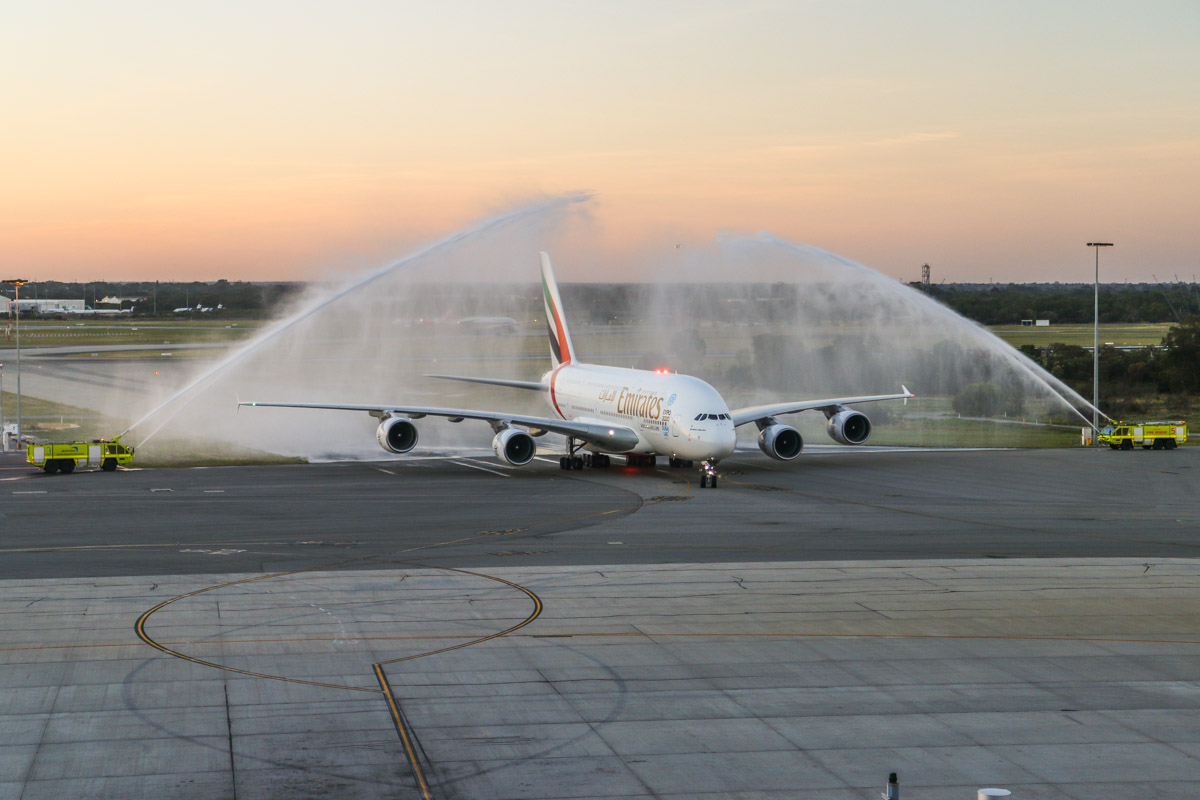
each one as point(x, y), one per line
point(1095, 348)
point(3, 441)
point(18, 283)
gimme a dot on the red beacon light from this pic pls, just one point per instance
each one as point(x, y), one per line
point(662, 371)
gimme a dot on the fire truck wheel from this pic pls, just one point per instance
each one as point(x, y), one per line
point(66, 466)
point(50, 467)
point(109, 464)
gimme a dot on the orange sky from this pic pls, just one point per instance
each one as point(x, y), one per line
point(266, 140)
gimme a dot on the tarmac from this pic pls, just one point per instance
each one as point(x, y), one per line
point(444, 627)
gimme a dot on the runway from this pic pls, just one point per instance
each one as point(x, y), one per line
point(464, 508)
point(966, 618)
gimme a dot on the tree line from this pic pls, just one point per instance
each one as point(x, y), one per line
point(1066, 303)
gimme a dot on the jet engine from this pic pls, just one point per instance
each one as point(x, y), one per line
point(513, 446)
point(782, 442)
point(397, 435)
point(848, 427)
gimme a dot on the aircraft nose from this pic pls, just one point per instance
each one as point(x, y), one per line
point(727, 442)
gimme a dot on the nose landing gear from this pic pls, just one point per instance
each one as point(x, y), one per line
point(708, 475)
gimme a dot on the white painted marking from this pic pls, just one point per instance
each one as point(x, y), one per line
point(616, 543)
point(385, 471)
point(488, 463)
point(463, 463)
point(214, 491)
point(36, 491)
point(162, 490)
point(226, 552)
point(547, 460)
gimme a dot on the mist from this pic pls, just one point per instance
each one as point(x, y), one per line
point(760, 318)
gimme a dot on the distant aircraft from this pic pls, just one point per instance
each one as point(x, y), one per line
point(638, 414)
point(96, 312)
point(489, 324)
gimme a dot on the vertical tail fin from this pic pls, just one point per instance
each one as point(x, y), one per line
point(561, 349)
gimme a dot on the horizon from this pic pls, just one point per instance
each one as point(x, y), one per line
point(280, 143)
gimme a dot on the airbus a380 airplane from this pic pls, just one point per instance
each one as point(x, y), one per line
point(636, 413)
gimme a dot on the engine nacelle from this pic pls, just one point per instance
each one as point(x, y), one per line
point(781, 442)
point(848, 427)
point(513, 446)
point(397, 435)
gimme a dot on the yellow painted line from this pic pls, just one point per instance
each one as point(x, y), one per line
point(402, 729)
point(140, 628)
point(537, 610)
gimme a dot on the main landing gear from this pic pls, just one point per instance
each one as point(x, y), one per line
point(708, 475)
point(585, 460)
point(572, 461)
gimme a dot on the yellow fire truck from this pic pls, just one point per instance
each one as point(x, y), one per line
point(1147, 435)
point(65, 457)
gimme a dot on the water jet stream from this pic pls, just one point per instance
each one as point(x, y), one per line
point(319, 303)
point(927, 305)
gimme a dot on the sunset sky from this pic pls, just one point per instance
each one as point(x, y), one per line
point(284, 140)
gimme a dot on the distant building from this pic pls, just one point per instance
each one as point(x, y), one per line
point(5, 305)
point(50, 306)
point(1043, 323)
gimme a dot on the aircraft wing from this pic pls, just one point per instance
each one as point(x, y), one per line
point(530, 385)
point(610, 437)
point(742, 416)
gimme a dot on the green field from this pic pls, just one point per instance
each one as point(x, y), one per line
point(60, 333)
point(1082, 335)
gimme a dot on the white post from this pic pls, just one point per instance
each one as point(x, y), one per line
point(18, 326)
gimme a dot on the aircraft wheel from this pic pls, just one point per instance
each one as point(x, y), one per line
point(562, 463)
point(712, 482)
point(109, 465)
point(578, 462)
point(50, 467)
point(66, 466)
point(688, 464)
point(703, 480)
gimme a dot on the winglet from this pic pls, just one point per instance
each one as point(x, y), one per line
point(561, 349)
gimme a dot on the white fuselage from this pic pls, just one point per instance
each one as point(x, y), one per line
point(674, 415)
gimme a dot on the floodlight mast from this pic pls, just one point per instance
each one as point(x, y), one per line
point(17, 284)
point(1096, 348)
